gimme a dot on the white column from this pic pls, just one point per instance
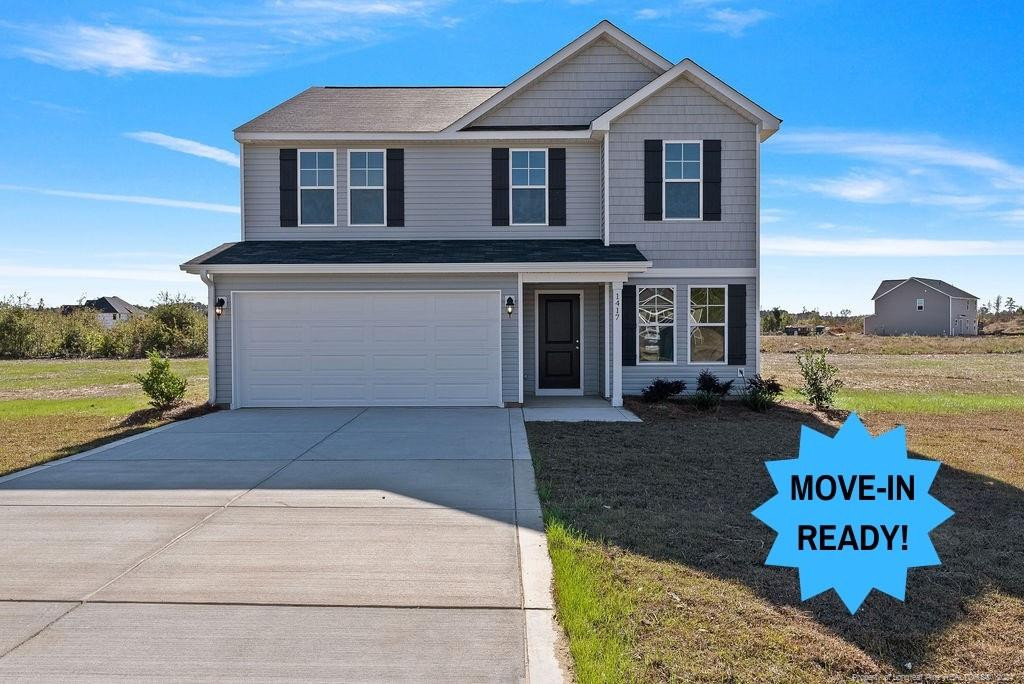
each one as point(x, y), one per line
point(617, 343)
point(607, 340)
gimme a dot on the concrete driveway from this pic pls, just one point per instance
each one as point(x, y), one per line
point(282, 544)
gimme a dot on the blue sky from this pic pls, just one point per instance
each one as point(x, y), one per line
point(900, 152)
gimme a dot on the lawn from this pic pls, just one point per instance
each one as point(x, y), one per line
point(659, 566)
point(55, 408)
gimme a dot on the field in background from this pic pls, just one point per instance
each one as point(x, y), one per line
point(55, 408)
point(856, 343)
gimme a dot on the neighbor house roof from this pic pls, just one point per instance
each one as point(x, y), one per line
point(942, 286)
point(334, 109)
point(113, 305)
point(266, 252)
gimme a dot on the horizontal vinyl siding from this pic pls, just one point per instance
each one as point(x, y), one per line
point(683, 111)
point(576, 92)
point(635, 378)
point(896, 313)
point(507, 283)
point(447, 195)
point(593, 335)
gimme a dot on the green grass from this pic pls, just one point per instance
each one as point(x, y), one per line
point(864, 401)
point(87, 406)
point(66, 374)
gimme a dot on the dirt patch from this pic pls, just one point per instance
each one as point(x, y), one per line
point(858, 343)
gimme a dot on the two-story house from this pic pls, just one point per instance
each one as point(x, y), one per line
point(581, 231)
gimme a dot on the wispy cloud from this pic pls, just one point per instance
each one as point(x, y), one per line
point(152, 274)
point(782, 245)
point(186, 146)
point(650, 13)
point(129, 199)
point(225, 39)
point(734, 22)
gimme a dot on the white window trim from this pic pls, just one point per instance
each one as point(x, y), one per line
point(348, 188)
point(700, 184)
point(675, 325)
point(919, 304)
point(724, 324)
point(333, 189)
point(512, 186)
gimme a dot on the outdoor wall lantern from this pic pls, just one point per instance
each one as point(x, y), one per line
point(218, 307)
point(510, 306)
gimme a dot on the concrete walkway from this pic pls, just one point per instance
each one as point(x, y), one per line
point(283, 544)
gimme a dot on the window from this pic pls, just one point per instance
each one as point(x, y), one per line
point(529, 196)
point(920, 305)
point(316, 187)
point(683, 172)
point(656, 321)
point(707, 325)
point(366, 187)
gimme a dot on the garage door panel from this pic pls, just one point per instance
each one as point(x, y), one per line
point(390, 348)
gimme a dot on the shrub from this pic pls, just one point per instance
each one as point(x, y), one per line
point(820, 379)
point(708, 382)
point(760, 393)
point(660, 390)
point(164, 387)
point(79, 335)
point(705, 400)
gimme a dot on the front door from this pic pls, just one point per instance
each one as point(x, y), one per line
point(558, 342)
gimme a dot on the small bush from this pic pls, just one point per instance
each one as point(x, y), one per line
point(821, 381)
point(708, 382)
point(705, 400)
point(660, 390)
point(164, 387)
point(761, 394)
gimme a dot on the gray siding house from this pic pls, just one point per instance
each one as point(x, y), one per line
point(581, 231)
point(922, 306)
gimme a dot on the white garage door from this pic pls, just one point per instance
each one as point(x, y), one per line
point(367, 348)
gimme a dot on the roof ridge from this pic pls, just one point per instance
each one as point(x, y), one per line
point(407, 87)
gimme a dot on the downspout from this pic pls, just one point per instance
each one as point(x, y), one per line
point(211, 327)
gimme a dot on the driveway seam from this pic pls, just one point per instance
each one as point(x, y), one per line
point(42, 629)
point(194, 527)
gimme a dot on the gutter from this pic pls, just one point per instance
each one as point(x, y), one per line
point(531, 267)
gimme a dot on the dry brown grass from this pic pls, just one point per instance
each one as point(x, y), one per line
point(857, 343)
point(668, 503)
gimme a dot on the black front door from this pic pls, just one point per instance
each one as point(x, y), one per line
point(558, 339)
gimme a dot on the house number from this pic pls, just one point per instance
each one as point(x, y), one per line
point(618, 304)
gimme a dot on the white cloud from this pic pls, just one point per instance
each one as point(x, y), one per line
point(772, 215)
point(115, 49)
point(650, 13)
point(129, 199)
point(734, 22)
point(887, 247)
point(187, 146)
point(152, 274)
point(857, 188)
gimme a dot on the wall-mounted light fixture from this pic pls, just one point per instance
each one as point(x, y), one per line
point(510, 306)
point(218, 307)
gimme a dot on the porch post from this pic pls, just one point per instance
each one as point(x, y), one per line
point(616, 355)
point(607, 341)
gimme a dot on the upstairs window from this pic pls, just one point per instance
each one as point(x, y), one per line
point(656, 324)
point(682, 195)
point(366, 187)
point(316, 188)
point(707, 325)
point(529, 191)
point(920, 305)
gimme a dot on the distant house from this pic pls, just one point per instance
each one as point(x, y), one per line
point(922, 306)
point(109, 310)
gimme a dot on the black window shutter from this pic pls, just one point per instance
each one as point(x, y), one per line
point(289, 185)
point(396, 186)
point(712, 180)
point(556, 186)
point(499, 186)
point(737, 352)
point(629, 325)
point(652, 180)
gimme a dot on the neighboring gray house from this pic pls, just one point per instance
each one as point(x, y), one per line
point(109, 310)
point(922, 306)
point(583, 230)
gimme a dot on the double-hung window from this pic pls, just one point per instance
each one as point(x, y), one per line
point(316, 188)
point(656, 321)
point(529, 191)
point(683, 172)
point(366, 188)
point(920, 305)
point(707, 325)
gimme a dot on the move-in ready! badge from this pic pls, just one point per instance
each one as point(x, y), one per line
point(853, 513)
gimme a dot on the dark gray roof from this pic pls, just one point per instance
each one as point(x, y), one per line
point(334, 109)
point(940, 285)
point(417, 252)
point(113, 305)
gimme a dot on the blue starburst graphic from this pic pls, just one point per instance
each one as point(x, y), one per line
point(853, 513)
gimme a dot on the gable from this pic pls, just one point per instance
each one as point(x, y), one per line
point(577, 91)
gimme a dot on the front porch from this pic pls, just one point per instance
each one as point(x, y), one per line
point(574, 410)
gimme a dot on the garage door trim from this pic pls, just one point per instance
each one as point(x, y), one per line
point(234, 336)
